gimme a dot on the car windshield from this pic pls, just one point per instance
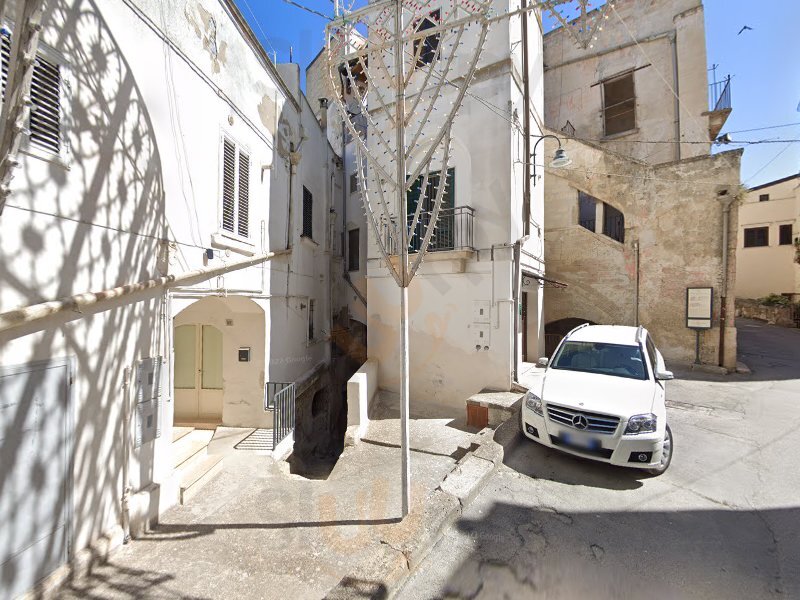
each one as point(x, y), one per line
point(601, 358)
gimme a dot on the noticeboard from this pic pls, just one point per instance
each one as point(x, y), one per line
point(699, 305)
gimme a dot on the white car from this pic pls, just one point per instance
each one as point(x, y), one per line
point(602, 397)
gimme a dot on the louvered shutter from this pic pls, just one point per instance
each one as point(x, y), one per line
point(45, 116)
point(228, 186)
point(243, 212)
point(45, 122)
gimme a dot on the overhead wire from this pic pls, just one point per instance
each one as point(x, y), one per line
point(261, 29)
point(772, 160)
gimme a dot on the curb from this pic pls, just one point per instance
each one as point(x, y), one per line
point(394, 558)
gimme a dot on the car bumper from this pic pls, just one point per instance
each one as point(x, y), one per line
point(638, 451)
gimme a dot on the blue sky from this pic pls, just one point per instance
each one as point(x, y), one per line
point(763, 63)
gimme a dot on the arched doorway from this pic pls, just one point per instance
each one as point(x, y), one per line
point(555, 331)
point(219, 362)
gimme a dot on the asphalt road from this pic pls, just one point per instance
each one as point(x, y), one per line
point(723, 522)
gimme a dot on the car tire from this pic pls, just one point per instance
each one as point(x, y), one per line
point(666, 458)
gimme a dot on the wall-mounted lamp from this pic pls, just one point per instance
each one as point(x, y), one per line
point(560, 158)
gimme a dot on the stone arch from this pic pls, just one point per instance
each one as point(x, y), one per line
point(238, 396)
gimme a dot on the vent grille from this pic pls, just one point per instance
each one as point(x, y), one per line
point(597, 423)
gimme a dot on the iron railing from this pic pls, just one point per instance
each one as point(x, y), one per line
point(279, 398)
point(454, 231)
point(719, 94)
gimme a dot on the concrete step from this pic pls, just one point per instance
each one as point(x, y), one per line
point(189, 448)
point(198, 475)
point(179, 432)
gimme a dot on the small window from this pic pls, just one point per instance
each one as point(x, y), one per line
point(785, 234)
point(353, 258)
point(235, 189)
point(425, 48)
point(353, 183)
point(587, 211)
point(308, 214)
point(763, 197)
point(613, 223)
point(310, 320)
point(619, 105)
point(46, 121)
point(756, 236)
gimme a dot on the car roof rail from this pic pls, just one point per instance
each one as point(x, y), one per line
point(639, 334)
point(581, 326)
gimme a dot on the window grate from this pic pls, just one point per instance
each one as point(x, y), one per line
point(756, 236)
point(308, 214)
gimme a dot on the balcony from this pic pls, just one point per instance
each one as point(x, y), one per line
point(719, 102)
point(454, 231)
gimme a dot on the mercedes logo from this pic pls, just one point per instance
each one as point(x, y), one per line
point(580, 422)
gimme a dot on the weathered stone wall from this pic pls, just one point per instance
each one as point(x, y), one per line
point(673, 220)
point(774, 315)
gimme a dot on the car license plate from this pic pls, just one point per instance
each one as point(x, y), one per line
point(580, 442)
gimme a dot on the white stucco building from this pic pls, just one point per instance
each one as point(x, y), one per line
point(164, 142)
point(768, 250)
point(475, 304)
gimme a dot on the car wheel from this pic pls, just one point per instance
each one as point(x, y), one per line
point(666, 454)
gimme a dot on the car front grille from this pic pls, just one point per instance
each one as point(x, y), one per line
point(597, 423)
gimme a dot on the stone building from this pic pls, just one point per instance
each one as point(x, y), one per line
point(768, 250)
point(645, 211)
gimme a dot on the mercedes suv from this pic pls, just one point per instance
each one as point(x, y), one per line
point(602, 397)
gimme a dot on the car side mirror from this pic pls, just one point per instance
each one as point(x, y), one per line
point(664, 375)
point(542, 362)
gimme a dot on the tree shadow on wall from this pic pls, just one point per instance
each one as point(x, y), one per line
point(90, 227)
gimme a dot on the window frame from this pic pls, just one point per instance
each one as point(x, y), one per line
point(307, 234)
point(603, 108)
point(311, 331)
point(760, 228)
point(64, 156)
point(782, 228)
point(763, 197)
point(239, 149)
point(353, 266)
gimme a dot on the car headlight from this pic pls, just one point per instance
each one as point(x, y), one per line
point(534, 403)
point(642, 424)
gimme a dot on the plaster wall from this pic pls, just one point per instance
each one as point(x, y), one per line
point(636, 35)
point(769, 269)
point(153, 87)
point(673, 213)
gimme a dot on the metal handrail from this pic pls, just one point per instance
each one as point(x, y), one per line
point(279, 398)
point(719, 94)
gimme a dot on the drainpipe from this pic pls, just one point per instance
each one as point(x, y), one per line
point(723, 316)
point(289, 200)
point(675, 85)
point(526, 128)
point(126, 440)
point(636, 290)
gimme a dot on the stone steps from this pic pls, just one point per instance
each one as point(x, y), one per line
point(193, 465)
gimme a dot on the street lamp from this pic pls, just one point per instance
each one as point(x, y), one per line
point(560, 158)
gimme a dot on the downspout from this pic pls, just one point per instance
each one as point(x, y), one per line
point(515, 294)
point(126, 440)
point(526, 127)
point(636, 289)
point(723, 313)
point(675, 85)
point(289, 200)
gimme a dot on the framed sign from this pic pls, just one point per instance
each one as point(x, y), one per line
point(699, 304)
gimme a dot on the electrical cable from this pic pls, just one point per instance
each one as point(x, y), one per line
point(261, 29)
point(772, 160)
point(307, 9)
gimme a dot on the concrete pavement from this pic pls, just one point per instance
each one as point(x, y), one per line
point(259, 531)
point(723, 522)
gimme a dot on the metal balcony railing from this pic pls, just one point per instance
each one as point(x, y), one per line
point(454, 231)
point(719, 94)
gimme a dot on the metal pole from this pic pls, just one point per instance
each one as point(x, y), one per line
point(399, 117)
point(697, 347)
